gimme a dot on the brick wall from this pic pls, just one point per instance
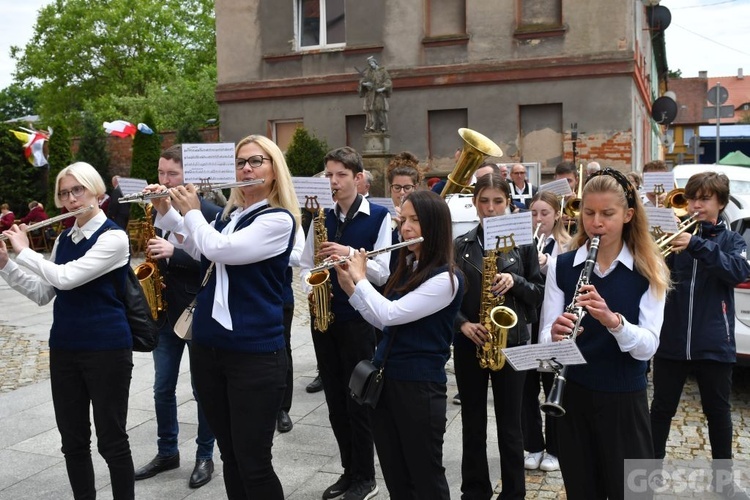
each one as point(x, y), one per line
point(121, 149)
point(609, 150)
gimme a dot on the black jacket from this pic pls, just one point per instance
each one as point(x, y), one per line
point(524, 298)
point(699, 311)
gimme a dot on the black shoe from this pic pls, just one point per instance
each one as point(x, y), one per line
point(201, 472)
point(283, 422)
point(157, 465)
point(457, 399)
point(315, 386)
point(338, 488)
point(362, 490)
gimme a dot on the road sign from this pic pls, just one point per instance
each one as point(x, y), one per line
point(709, 112)
point(717, 95)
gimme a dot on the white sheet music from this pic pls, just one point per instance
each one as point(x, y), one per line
point(559, 187)
point(527, 357)
point(663, 218)
point(130, 185)
point(652, 179)
point(384, 202)
point(313, 186)
point(213, 162)
point(513, 229)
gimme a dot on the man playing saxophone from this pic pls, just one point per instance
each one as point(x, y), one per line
point(353, 224)
point(515, 275)
point(181, 276)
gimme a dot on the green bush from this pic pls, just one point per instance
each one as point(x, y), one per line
point(305, 154)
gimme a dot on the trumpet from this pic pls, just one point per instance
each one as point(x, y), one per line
point(330, 264)
point(51, 221)
point(201, 188)
point(677, 202)
point(573, 206)
point(665, 242)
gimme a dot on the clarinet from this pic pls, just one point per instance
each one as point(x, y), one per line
point(553, 406)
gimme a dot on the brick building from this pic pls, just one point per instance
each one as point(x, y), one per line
point(519, 72)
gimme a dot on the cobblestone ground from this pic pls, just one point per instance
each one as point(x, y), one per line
point(23, 361)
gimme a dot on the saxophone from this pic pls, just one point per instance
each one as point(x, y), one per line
point(493, 315)
point(148, 273)
point(320, 281)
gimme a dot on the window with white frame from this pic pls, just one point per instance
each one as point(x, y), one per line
point(320, 23)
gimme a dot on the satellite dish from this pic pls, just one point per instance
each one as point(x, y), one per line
point(664, 110)
point(659, 18)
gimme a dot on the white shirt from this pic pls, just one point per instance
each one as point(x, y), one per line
point(266, 237)
point(378, 267)
point(640, 340)
point(111, 251)
point(428, 298)
point(299, 246)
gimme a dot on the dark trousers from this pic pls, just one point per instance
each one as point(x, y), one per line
point(286, 402)
point(408, 425)
point(533, 438)
point(82, 380)
point(241, 394)
point(338, 350)
point(597, 433)
point(715, 385)
point(507, 391)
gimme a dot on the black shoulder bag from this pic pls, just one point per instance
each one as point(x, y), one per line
point(142, 325)
point(366, 382)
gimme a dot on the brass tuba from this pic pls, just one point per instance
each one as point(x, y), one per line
point(476, 147)
point(148, 273)
point(493, 315)
point(320, 281)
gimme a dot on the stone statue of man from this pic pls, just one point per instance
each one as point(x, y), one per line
point(375, 86)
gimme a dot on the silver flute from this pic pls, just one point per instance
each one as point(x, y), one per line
point(51, 221)
point(143, 197)
point(329, 264)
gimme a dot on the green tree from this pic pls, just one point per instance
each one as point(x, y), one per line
point(17, 101)
point(83, 50)
point(92, 147)
point(59, 158)
point(146, 152)
point(188, 134)
point(305, 153)
point(674, 74)
point(20, 180)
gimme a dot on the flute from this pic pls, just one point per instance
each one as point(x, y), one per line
point(51, 220)
point(143, 197)
point(329, 264)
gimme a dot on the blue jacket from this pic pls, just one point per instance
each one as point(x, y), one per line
point(699, 312)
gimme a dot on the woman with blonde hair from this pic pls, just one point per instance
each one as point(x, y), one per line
point(607, 416)
point(239, 360)
point(91, 357)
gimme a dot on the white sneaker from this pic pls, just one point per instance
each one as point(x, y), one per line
point(532, 460)
point(549, 463)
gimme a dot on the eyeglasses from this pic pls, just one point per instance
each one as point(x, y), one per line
point(407, 188)
point(76, 191)
point(255, 161)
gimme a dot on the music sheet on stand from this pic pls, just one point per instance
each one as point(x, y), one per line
point(527, 357)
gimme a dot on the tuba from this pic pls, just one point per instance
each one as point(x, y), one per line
point(319, 281)
point(148, 273)
point(476, 147)
point(493, 315)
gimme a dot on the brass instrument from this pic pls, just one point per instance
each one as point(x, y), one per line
point(476, 147)
point(493, 315)
point(51, 220)
point(319, 280)
point(553, 405)
point(665, 242)
point(329, 264)
point(201, 188)
point(148, 273)
point(677, 202)
point(572, 207)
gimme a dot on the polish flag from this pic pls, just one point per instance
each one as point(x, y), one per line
point(120, 128)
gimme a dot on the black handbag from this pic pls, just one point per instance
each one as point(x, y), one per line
point(142, 325)
point(366, 381)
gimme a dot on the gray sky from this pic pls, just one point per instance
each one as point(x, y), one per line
point(709, 35)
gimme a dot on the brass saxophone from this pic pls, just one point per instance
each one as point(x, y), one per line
point(320, 281)
point(493, 315)
point(148, 273)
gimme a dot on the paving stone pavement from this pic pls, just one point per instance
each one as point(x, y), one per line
point(305, 459)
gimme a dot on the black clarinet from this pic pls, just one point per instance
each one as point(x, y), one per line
point(553, 406)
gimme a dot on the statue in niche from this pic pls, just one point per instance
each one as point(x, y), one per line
point(375, 86)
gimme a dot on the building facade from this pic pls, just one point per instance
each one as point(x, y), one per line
point(521, 72)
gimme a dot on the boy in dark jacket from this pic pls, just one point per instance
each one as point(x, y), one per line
point(698, 332)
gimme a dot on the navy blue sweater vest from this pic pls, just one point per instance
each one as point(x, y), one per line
point(90, 317)
point(607, 369)
point(421, 348)
point(255, 300)
point(361, 232)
